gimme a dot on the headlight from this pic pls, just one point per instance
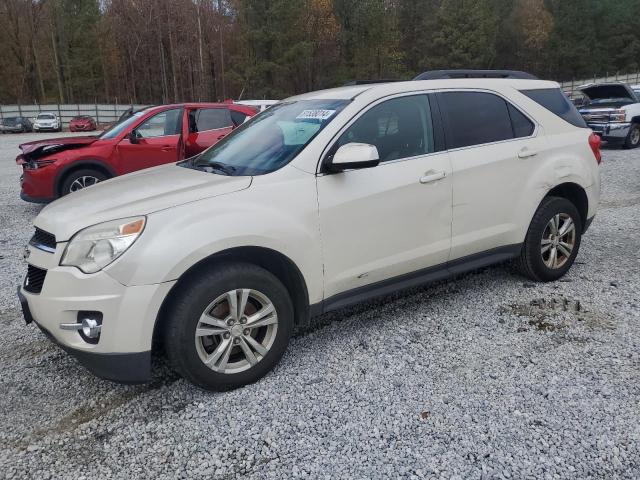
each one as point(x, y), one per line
point(618, 116)
point(95, 247)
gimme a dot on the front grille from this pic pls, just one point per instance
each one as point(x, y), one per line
point(596, 116)
point(35, 279)
point(43, 240)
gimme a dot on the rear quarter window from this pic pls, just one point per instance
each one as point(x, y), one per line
point(556, 102)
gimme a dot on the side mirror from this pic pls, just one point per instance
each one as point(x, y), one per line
point(134, 136)
point(354, 156)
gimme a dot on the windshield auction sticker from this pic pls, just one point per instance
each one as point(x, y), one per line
point(317, 114)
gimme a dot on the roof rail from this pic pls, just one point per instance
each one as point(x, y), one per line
point(351, 83)
point(444, 74)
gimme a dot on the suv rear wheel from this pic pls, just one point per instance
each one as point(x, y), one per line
point(552, 241)
point(228, 327)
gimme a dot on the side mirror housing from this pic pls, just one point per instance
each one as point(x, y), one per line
point(354, 156)
point(134, 136)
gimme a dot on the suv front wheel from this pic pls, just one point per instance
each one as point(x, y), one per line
point(228, 327)
point(553, 240)
point(633, 138)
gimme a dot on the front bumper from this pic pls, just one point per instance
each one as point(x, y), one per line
point(611, 132)
point(37, 184)
point(12, 129)
point(129, 315)
point(117, 367)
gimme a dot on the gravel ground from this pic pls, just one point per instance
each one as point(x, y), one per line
point(486, 376)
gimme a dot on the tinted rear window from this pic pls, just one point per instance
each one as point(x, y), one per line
point(213, 119)
point(555, 101)
point(238, 117)
point(474, 118)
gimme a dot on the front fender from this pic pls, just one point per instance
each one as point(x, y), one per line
point(177, 238)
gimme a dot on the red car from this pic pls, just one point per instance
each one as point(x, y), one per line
point(82, 123)
point(150, 137)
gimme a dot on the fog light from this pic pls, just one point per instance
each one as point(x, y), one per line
point(88, 325)
point(91, 328)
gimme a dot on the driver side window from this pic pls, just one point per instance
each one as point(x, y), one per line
point(161, 124)
point(399, 128)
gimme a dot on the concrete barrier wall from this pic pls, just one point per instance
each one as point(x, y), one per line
point(102, 113)
point(571, 87)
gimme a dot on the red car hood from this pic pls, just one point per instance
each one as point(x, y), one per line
point(39, 148)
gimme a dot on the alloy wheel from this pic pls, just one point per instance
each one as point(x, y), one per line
point(558, 241)
point(634, 139)
point(236, 331)
point(83, 182)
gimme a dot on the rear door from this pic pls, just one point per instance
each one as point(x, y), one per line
point(207, 126)
point(382, 222)
point(159, 141)
point(493, 147)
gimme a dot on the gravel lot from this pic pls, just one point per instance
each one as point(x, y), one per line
point(487, 376)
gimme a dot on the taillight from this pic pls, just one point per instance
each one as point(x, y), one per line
point(594, 143)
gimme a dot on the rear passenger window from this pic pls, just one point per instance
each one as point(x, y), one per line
point(522, 126)
point(212, 119)
point(474, 118)
point(399, 128)
point(556, 102)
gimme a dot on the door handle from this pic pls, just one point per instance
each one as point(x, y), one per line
point(432, 177)
point(526, 153)
point(167, 148)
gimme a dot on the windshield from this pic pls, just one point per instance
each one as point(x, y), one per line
point(118, 127)
point(269, 140)
point(46, 116)
point(11, 120)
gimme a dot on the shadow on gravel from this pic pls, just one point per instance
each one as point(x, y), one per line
point(419, 294)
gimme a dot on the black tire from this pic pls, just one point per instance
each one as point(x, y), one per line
point(183, 317)
point(532, 262)
point(633, 137)
point(79, 174)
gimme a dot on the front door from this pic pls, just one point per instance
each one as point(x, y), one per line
point(382, 222)
point(159, 141)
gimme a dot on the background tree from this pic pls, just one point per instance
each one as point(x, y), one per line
point(159, 51)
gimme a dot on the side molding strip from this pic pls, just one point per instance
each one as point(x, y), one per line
point(413, 279)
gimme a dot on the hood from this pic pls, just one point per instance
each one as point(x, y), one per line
point(604, 105)
point(609, 91)
point(40, 148)
point(139, 193)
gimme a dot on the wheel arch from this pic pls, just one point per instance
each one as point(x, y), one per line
point(576, 195)
point(79, 165)
point(271, 260)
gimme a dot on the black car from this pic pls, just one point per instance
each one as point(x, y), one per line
point(16, 125)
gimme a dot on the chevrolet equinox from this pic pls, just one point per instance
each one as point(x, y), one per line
point(323, 200)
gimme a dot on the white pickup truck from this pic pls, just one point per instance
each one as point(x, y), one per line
point(612, 110)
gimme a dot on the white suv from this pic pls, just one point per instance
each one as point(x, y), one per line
point(47, 121)
point(325, 199)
